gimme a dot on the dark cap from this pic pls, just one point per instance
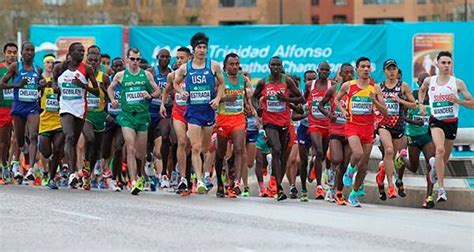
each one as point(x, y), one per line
point(389, 62)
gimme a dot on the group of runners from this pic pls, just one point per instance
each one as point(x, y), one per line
point(83, 123)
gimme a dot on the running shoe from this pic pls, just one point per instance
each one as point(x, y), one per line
point(208, 182)
point(319, 195)
point(442, 195)
point(398, 163)
point(380, 177)
point(433, 176)
point(73, 180)
point(107, 173)
point(263, 193)
point(230, 192)
point(149, 170)
point(154, 182)
point(429, 202)
point(135, 188)
point(401, 189)
point(272, 187)
point(382, 194)
point(115, 187)
point(246, 192)
point(183, 185)
point(52, 185)
point(94, 183)
point(141, 183)
point(201, 188)
point(2, 182)
point(293, 192)
point(220, 192)
point(147, 185)
point(281, 196)
point(354, 199)
point(236, 188)
point(37, 181)
point(339, 198)
point(392, 194)
point(330, 196)
point(348, 175)
point(174, 179)
point(165, 183)
point(44, 180)
point(304, 195)
point(30, 174)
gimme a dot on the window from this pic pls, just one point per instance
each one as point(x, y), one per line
point(169, 2)
point(339, 19)
point(193, 3)
point(422, 18)
point(436, 17)
point(450, 17)
point(238, 3)
point(55, 2)
point(340, 2)
point(314, 2)
point(315, 19)
point(384, 1)
point(421, 1)
point(94, 2)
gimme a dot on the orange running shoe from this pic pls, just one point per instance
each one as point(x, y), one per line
point(392, 194)
point(272, 187)
point(312, 173)
point(340, 200)
point(380, 174)
point(37, 181)
point(230, 192)
point(2, 182)
point(319, 195)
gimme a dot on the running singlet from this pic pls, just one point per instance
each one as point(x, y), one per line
point(441, 108)
point(49, 117)
point(235, 107)
point(94, 103)
point(133, 88)
point(28, 93)
point(161, 81)
point(110, 109)
point(200, 84)
point(275, 112)
point(316, 118)
point(73, 98)
point(415, 115)
point(394, 118)
point(360, 104)
point(305, 121)
point(6, 95)
point(337, 127)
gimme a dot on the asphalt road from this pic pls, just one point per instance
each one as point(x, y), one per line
point(38, 219)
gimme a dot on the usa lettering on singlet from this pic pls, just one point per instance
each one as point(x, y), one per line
point(161, 81)
point(441, 106)
point(110, 108)
point(200, 84)
point(29, 93)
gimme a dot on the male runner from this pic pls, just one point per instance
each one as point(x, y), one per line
point(361, 94)
point(443, 92)
point(276, 92)
point(137, 86)
point(204, 88)
point(105, 59)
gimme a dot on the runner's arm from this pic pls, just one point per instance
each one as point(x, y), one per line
point(156, 90)
point(410, 100)
point(468, 101)
point(295, 94)
point(248, 97)
point(422, 93)
point(105, 83)
point(256, 96)
point(379, 101)
point(91, 77)
point(12, 70)
point(220, 80)
point(337, 101)
point(327, 98)
point(179, 77)
point(168, 89)
point(111, 89)
point(56, 74)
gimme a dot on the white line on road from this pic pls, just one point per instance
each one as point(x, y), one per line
point(87, 216)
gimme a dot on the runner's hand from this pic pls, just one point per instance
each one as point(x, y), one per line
point(78, 83)
point(345, 115)
point(422, 109)
point(332, 117)
point(115, 104)
point(248, 109)
point(184, 95)
point(23, 82)
point(214, 103)
point(146, 95)
point(163, 111)
point(281, 97)
point(230, 98)
point(454, 100)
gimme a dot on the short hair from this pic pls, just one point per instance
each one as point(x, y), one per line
point(274, 57)
point(308, 72)
point(116, 58)
point(444, 53)
point(10, 44)
point(143, 61)
point(133, 50)
point(105, 55)
point(346, 65)
point(230, 55)
point(93, 46)
point(184, 49)
point(199, 38)
point(25, 44)
point(72, 46)
point(361, 59)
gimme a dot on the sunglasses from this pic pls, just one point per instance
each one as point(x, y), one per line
point(134, 59)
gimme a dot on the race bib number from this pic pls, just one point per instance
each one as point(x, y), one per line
point(315, 111)
point(393, 107)
point(112, 110)
point(52, 103)
point(200, 96)
point(235, 106)
point(274, 105)
point(28, 94)
point(340, 117)
point(92, 102)
point(361, 105)
point(8, 94)
point(70, 91)
point(134, 97)
point(179, 100)
point(425, 119)
point(443, 110)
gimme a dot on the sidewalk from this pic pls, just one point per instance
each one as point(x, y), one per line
point(460, 194)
